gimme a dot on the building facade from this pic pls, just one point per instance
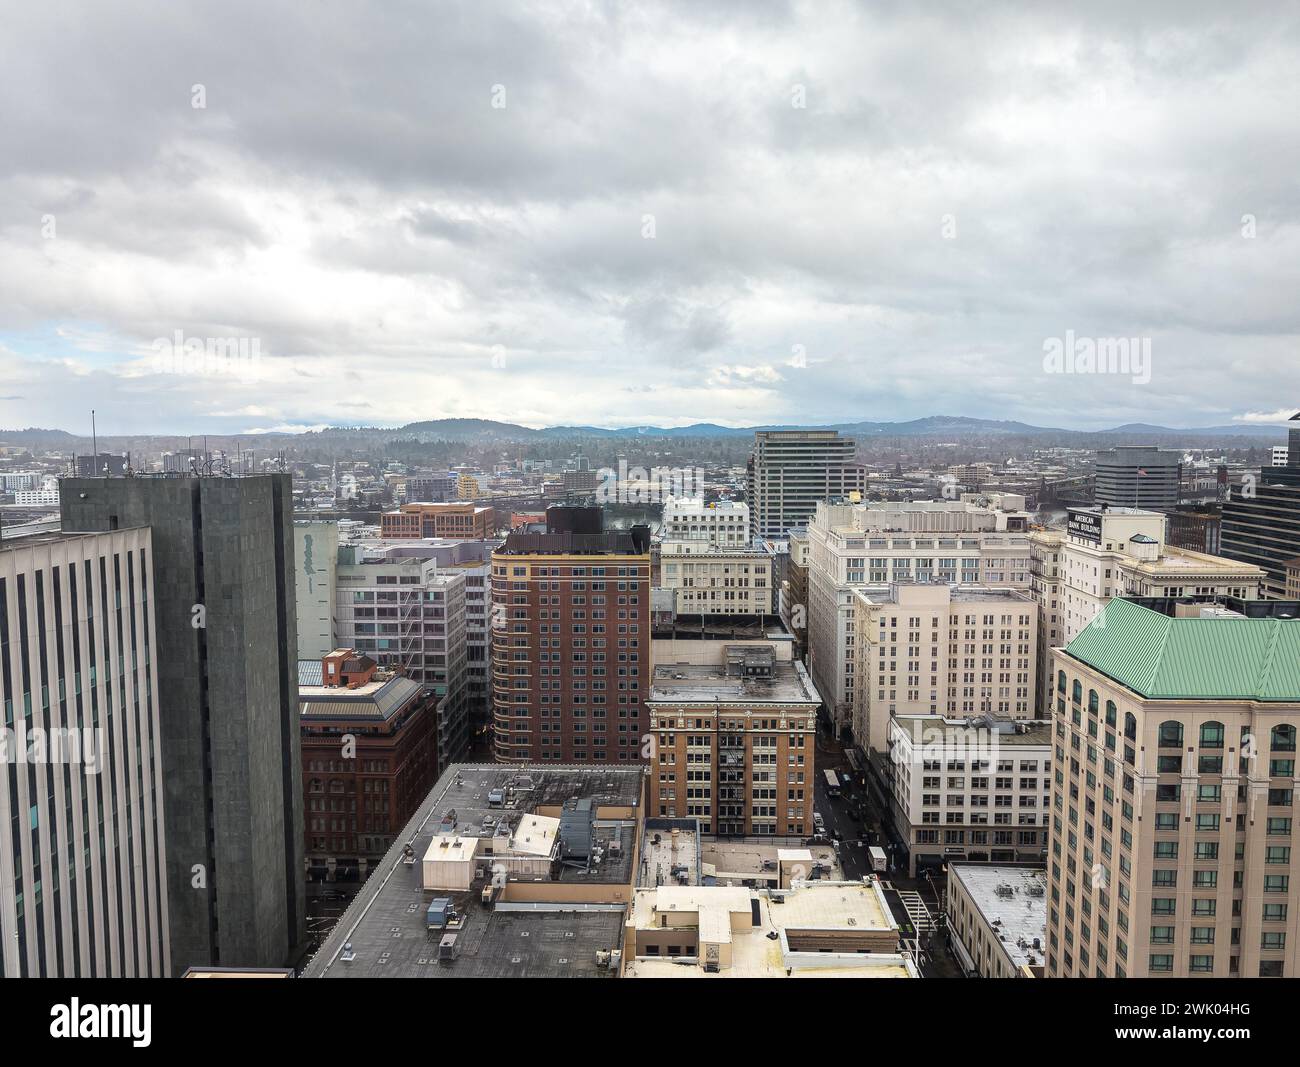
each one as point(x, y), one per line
point(83, 856)
point(961, 650)
point(968, 790)
point(571, 641)
point(369, 752)
point(709, 580)
point(430, 488)
point(790, 471)
point(724, 523)
point(408, 613)
point(927, 542)
point(1108, 552)
point(1172, 833)
point(460, 520)
point(733, 743)
point(1261, 522)
point(315, 560)
point(1138, 476)
point(226, 666)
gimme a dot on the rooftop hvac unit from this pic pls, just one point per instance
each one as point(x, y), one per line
point(448, 950)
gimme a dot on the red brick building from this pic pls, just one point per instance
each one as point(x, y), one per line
point(369, 756)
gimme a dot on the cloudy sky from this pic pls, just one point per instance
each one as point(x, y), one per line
point(235, 216)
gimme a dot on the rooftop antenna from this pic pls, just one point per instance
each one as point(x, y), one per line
point(94, 443)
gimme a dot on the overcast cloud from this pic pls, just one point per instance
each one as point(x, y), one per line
point(650, 230)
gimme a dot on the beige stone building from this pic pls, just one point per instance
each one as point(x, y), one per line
point(940, 650)
point(723, 523)
point(1172, 827)
point(710, 580)
point(973, 541)
point(1109, 552)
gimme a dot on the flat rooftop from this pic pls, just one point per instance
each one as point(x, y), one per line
point(1013, 900)
point(677, 682)
point(759, 927)
point(385, 923)
point(664, 854)
point(726, 862)
point(957, 593)
point(1034, 734)
point(697, 627)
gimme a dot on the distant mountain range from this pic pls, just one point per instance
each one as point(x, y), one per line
point(931, 426)
point(480, 431)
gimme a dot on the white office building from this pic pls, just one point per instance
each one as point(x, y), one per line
point(969, 790)
point(83, 889)
point(724, 523)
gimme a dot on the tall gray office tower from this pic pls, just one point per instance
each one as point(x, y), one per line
point(791, 470)
point(1138, 476)
point(226, 667)
point(82, 845)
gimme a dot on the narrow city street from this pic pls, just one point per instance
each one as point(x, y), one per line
point(854, 820)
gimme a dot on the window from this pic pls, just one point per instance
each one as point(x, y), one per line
point(1212, 735)
point(1171, 734)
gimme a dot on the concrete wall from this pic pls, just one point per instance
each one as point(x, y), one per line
point(316, 548)
point(228, 692)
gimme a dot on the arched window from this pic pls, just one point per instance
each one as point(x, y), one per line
point(1171, 734)
point(1130, 726)
point(1092, 701)
point(1060, 681)
point(1111, 714)
point(1076, 693)
point(1283, 738)
point(1212, 735)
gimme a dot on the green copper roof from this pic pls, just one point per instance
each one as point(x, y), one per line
point(1195, 659)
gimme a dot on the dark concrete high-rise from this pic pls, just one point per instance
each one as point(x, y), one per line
point(1261, 524)
point(791, 471)
point(226, 665)
point(1138, 476)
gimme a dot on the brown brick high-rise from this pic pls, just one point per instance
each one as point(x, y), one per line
point(571, 642)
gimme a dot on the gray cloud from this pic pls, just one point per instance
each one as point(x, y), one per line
point(954, 192)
